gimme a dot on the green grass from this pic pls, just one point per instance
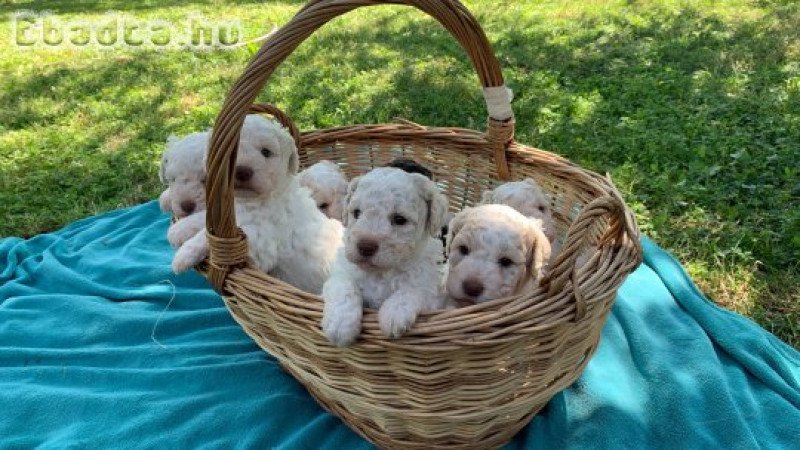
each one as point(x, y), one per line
point(693, 107)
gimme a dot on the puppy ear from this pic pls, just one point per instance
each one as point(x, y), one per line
point(165, 202)
point(286, 141)
point(454, 227)
point(341, 187)
point(351, 188)
point(532, 182)
point(338, 207)
point(437, 204)
point(294, 162)
point(162, 170)
point(437, 214)
point(303, 178)
point(539, 252)
point(204, 160)
point(488, 197)
point(540, 193)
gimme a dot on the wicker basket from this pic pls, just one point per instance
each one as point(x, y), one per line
point(469, 378)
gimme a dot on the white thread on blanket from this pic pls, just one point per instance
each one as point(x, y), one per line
point(161, 314)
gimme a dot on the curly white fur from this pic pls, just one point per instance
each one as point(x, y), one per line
point(389, 256)
point(184, 173)
point(328, 187)
point(288, 236)
point(527, 197)
point(493, 251)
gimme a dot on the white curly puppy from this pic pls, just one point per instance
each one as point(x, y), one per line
point(328, 187)
point(527, 197)
point(388, 261)
point(184, 173)
point(494, 251)
point(288, 236)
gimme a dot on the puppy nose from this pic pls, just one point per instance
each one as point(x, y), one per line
point(472, 287)
point(243, 174)
point(367, 248)
point(188, 206)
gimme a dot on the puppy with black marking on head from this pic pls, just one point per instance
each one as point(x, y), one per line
point(493, 252)
point(388, 262)
point(411, 166)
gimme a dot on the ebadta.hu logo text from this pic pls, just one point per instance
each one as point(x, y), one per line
point(114, 30)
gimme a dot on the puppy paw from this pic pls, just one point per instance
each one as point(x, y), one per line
point(341, 327)
point(182, 262)
point(186, 228)
point(177, 235)
point(188, 256)
point(396, 318)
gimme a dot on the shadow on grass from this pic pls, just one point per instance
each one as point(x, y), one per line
point(81, 168)
point(697, 118)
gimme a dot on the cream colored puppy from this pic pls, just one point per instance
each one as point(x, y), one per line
point(288, 237)
point(388, 262)
point(493, 251)
point(328, 187)
point(527, 197)
point(184, 173)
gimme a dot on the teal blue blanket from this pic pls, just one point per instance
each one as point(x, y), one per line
point(102, 347)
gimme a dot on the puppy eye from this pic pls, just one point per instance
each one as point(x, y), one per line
point(266, 152)
point(463, 249)
point(398, 220)
point(542, 209)
point(323, 206)
point(505, 262)
point(356, 213)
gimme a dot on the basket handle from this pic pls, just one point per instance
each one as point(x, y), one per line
point(281, 117)
point(222, 232)
point(622, 235)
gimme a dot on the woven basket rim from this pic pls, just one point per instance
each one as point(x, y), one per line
point(540, 297)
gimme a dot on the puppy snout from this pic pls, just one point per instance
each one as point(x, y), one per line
point(367, 248)
point(472, 287)
point(243, 174)
point(188, 206)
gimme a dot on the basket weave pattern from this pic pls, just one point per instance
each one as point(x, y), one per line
point(469, 378)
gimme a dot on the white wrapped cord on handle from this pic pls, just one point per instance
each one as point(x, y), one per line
point(498, 102)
